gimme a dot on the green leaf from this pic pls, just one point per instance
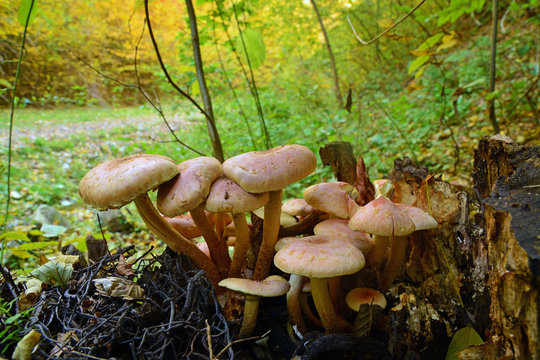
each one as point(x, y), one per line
point(7, 84)
point(36, 245)
point(24, 9)
point(52, 230)
point(462, 339)
point(14, 236)
point(430, 41)
point(416, 63)
point(54, 273)
point(255, 47)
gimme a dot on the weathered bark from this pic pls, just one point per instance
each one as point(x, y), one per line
point(508, 178)
point(339, 155)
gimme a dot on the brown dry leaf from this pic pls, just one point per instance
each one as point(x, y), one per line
point(24, 348)
point(61, 341)
point(67, 259)
point(118, 287)
point(366, 190)
point(42, 260)
point(124, 268)
point(30, 296)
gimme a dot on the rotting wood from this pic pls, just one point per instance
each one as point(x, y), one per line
point(508, 178)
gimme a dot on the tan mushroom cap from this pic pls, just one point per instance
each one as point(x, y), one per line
point(335, 198)
point(114, 183)
point(281, 243)
point(421, 219)
point(359, 296)
point(297, 207)
point(190, 188)
point(185, 225)
point(382, 217)
point(227, 196)
point(285, 219)
point(339, 229)
point(319, 257)
point(270, 170)
point(273, 285)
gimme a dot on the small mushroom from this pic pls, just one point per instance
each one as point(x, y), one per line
point(335, 198)
point(367, 303)
point(272, 286)
point(227, 196)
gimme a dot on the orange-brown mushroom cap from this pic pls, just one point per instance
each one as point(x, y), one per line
point(359, 296)
point(190, 188)
point(114, 183)
point(319, 257)
point(272, 286)
point(339, 229)
point(270, 170)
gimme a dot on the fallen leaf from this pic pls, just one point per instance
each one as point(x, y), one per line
point(53, 273)
point(24, 348)
point(118, 287)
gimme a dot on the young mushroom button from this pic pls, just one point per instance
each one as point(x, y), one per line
point(115, 183)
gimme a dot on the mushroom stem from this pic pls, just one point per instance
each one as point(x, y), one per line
point(218, 250)
point(306, 309)
point(395, 260)
point(241, 246)
point(333, 323)
point(336, 294)
point(293, 303)
point(251, 308)
point(378, 252)
point(164, 231)
point(272, 212)
point(220, 225)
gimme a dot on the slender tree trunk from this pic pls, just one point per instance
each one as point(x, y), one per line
point(330, 54)
point(493, 65)
point(211, 124)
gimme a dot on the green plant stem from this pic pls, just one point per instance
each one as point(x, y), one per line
point(12, 113)
point(207, 101)
point(493, 66)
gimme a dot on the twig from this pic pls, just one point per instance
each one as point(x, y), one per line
point(209, 340)
point(201, 79)
point(493, 66)
point(242, 340)
point(166, 73)
point(385, 31)
point(154, 105)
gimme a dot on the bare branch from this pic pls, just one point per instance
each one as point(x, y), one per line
point(385, 31)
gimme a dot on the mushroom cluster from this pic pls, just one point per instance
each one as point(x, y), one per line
point(323, 237)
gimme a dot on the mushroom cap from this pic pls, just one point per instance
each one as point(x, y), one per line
point(335, 198)
point(339, 229)
point(189, 189)
point(382, 217)
point(185, 225)
point(270, 170)
point(359, 296)
point(319, 257)
point(114, 183)
point(297, 207)
point(227, 196)
point(285, 219)
point(273, 285)
point(421, 219)
point(280, 244)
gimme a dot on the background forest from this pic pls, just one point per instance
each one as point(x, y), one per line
point(91, 89)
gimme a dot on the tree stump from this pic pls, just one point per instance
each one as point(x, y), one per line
point(507, 176)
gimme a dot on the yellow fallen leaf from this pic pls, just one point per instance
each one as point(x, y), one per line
point(24, 348)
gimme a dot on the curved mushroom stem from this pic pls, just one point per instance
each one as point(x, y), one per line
point(272, 212)
point(293, 303)
point(164, 231)
point(241, 246)
point(378, 252)
point(218, 249)
point(395, 260)
point(333, 323)
point(306, 309)
point(251, 309)
point(336, 294)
